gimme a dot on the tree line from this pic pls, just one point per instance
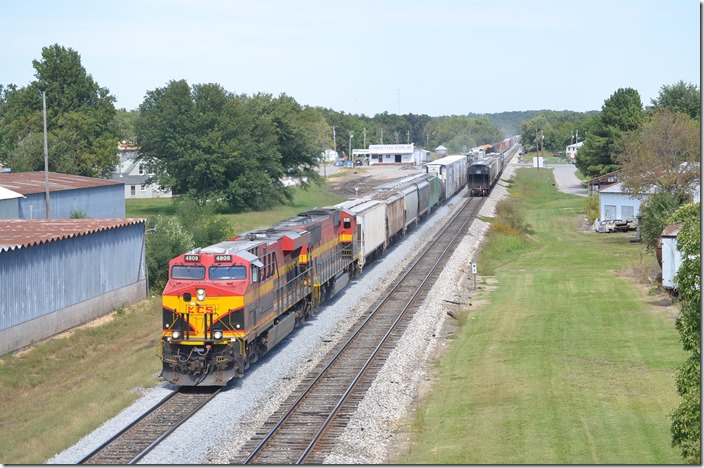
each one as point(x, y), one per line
point(201, 140)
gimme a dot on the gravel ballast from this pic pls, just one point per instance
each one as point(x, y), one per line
point(218, 432)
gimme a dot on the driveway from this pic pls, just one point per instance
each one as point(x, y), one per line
point(566, 180)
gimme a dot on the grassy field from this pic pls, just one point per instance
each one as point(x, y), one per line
point(569, 363)
point(63, 388)
point(304, 199)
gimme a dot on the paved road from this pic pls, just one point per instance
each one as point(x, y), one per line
point(566, 179)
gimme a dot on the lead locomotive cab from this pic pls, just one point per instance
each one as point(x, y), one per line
point(203, 317)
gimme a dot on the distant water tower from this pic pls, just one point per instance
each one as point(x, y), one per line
point(441, 151)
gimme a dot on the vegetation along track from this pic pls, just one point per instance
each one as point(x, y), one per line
point(139, 438)
point(306, 426)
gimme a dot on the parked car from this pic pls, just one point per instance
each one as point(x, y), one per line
point(620, 225)
point(632, 223)
point(607, 225)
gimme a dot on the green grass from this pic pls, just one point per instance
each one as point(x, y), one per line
point(304, 199)
point(567, 364)
point(64, 388)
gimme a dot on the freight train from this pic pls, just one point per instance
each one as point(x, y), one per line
point(226, 305)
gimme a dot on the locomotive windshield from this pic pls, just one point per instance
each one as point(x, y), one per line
point(233, 272)
point(187, 272)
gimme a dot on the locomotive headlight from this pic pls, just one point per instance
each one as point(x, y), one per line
point(217, 334)
point(200, 294)
point(175, 334)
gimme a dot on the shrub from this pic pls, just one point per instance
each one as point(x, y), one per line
point(591, 207)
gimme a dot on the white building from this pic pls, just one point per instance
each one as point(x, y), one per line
point(670, 257)
point(571, 150)
point(616, 203)
point(328, 155)
point(132, 173)
point(392, 154)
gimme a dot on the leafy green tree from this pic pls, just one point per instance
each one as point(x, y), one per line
point(654, 215)
point(205, 227)
point(679, 97)
point(663, 154)
point(686, 418)
point(534, 130)
point(395, 128)
point(81, 138)
point(166, 238)
point(297, 138)
point(124, 125)
point(622, 112)
point(460, 133)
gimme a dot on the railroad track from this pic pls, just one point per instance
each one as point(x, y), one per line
point(139, 438)
point(306, 426)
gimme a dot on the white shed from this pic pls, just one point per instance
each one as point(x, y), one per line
point(616, 203)
point(670, 257)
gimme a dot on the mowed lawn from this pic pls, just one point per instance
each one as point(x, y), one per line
point(569, 363)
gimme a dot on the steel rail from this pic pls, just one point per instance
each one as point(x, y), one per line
point(408, 272)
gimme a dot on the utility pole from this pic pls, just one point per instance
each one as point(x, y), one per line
point(46, 160)
point(364, 132)
point(350, 147)
point(382, 136)
point(409, 136)
point(334, 140)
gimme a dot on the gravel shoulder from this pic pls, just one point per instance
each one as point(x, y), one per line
point(376, 432)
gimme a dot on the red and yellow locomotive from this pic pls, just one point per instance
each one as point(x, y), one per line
point(226, 305)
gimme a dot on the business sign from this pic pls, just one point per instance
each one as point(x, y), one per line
point(391, 149)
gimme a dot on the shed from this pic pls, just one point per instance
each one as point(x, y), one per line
point(669, 257)
point(616, 203)
point(58, 274)
point(68, 195)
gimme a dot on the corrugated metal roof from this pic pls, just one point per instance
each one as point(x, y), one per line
point(19, 233)
point(33, 182)
point(672, 230)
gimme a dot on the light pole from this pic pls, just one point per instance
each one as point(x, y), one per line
point(350, 147)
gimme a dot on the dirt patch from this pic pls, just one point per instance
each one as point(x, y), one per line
point(357, 182)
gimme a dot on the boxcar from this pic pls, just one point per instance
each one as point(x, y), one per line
point(452, 172)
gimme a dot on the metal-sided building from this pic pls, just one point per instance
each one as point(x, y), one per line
point(58, 274)
point(69, 195)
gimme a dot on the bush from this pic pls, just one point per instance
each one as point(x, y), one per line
point(166, 238)
point(591, 207)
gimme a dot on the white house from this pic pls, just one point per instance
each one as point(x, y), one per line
point(616, 203)
point(571, 150)
point(132, 173)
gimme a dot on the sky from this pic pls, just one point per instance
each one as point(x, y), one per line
point(434, 57)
